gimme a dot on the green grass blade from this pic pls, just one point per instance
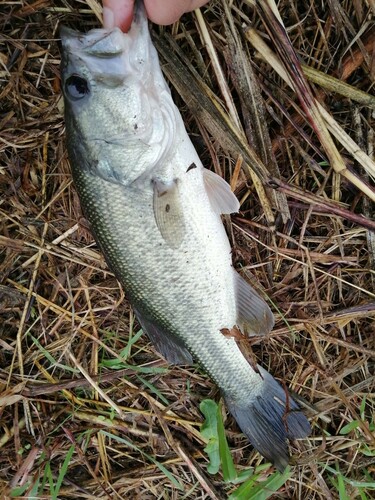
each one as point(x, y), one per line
point(346, 429)
point(227, 465)
point(33, 493)
point(251, 490)
point(341, 487)
point(352, 482)
point(209, 432)
point(123, 355)
point(244, 491)
point(18, 491)
point(63, 471)
point(217, 448)
point(153, 389)
point(48, 474)
point(49, 357)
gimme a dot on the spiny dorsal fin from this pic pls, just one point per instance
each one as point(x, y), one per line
point(221, 197)
point(168, 212)
point(254, 316)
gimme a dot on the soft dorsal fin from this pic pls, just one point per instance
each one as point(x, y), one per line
point(166, 343)
point(168, 212)
point(221, 197)
point(254, 316)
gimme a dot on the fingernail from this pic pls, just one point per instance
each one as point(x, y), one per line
point(108, 18)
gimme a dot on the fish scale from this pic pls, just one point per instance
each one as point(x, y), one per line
point(156, 214)
point(150, 293)
point(154, 284)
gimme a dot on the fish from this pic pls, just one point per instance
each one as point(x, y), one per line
point(155, 213)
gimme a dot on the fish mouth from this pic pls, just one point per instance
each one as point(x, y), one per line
point(109, 54)
point(97, 42)
point(106, 43)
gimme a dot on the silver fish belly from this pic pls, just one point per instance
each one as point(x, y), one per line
point(155, 212)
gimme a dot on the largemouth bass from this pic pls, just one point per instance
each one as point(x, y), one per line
point(155, 212)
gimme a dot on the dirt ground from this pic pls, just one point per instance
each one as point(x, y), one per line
point(284, 111)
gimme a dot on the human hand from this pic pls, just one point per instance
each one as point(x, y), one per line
point(120, 12)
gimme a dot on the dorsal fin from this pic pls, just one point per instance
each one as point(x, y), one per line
point(221, 197)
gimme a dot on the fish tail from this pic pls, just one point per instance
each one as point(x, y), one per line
point(269, 420)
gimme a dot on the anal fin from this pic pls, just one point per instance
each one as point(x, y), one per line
point(166, 343)
point(254, 316)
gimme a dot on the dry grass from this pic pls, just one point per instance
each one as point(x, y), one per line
point(74, 374)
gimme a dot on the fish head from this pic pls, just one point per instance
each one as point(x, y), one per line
point(119, 114)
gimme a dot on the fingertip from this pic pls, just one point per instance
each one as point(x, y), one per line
point(164, 12)
point(118, 13)
point(169, 11)
point(108, 18)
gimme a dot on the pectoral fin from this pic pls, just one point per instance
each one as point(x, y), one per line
point(254, 316)
point(166, 343)
point(168, 213)
point(222, 199)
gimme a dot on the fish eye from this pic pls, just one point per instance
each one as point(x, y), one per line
point(76, 87)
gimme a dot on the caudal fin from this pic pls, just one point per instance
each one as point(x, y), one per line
point(269, 420)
